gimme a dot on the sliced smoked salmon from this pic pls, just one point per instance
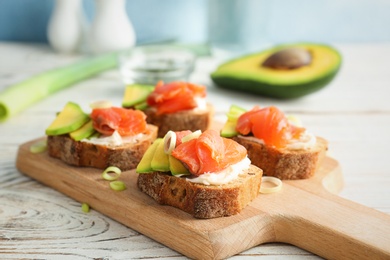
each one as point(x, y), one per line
point(244, 125)
point(209, 153)
point(269, 124)
point(127, 122)
point(175, 96)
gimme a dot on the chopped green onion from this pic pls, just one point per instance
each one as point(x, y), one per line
point(191, 136)
point(100, 104)
point(270, 184)
point(294, 120)
point(117, 185)
point(18, 97)
point(39, 146)
point(115, 173)
point(169, 142)
point(85, 207)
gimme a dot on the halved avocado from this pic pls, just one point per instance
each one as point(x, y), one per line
point(285, 71)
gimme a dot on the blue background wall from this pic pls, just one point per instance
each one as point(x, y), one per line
point(248, 22)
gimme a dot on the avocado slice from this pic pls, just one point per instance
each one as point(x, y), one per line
point(160, 161)
point(141, 106)
point(273, 73)
point(136, 94)
point(229, 128)
point(235, 112)
point(95, 134)
point(176, 167)
point(68, 120)
point(83, 132)
point(145, 165)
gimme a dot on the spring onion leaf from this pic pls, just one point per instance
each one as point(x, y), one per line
point(19, 96)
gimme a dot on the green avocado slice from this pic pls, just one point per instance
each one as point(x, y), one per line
point(229, 128)
point(249, 74)
point(83, 132)
point(68, 120)
point(176, 167)
point(136, 94)
point(160, 161)
point(145, 165)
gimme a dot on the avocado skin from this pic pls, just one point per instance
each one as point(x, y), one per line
point(290, 91)
point(279, 92)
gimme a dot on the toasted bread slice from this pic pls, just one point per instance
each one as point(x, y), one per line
point(185, 120)
point(285, 164)
point(79, 153)
point(202, 201)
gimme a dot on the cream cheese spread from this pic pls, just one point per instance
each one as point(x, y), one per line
point(114, 140)
point(201, 103)
point(223, 177)
point(306, 141)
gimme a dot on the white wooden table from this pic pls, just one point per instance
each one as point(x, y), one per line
point(353, 113)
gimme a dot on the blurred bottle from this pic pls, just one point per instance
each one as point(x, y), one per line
point(66, 26)
point(111, 28)
point(237, 25)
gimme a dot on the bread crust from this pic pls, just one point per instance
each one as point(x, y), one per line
point(283, 163)
point(202, 201)
point(184, 120)
point(85, 154)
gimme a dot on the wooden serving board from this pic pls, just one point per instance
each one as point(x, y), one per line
point(304, 213)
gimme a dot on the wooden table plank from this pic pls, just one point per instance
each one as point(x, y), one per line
point(353, 113)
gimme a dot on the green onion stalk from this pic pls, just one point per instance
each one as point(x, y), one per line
point(18, 97)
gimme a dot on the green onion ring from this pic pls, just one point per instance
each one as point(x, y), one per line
point(85, 207)
point(169, 142)
point(117, 185)
point(111, 169)
point(191, 136)
point(100, 104)
point(39, 146)
point(277, 184)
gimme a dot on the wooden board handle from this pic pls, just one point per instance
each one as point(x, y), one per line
point(328, 225)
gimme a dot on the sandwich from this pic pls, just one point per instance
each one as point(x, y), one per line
point(108, 136)
point(200, 173)
point(281, 147)
point(174, 106)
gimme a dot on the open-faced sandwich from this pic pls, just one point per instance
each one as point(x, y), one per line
point(173, 106)
point(275, 144)
point(203, 174)
point(108, 136)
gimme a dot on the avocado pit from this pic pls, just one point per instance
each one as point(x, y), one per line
point(288, 59)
